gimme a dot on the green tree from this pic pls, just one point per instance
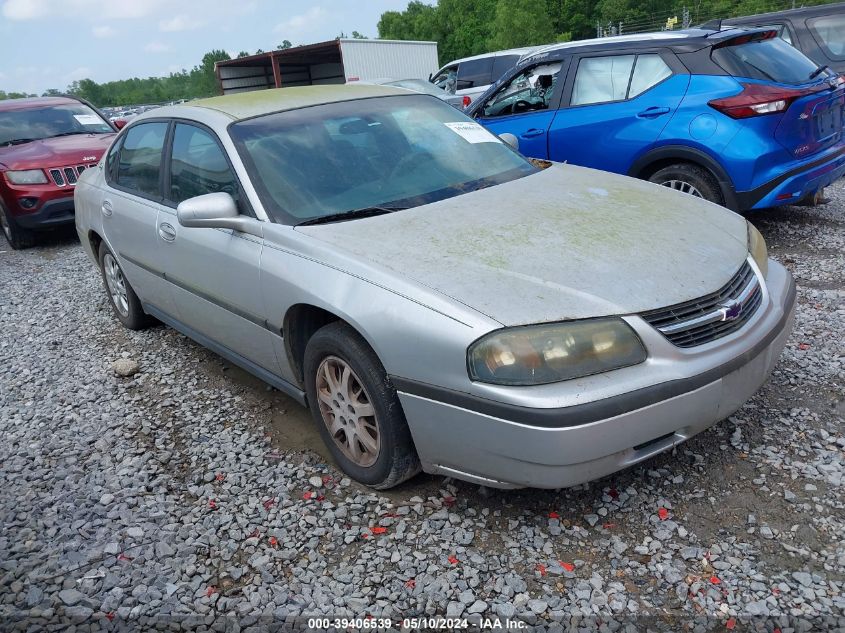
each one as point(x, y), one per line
point(356, 35)
point(284, 45)
point(519, 23)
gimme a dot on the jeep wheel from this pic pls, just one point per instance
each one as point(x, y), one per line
point(17, 236)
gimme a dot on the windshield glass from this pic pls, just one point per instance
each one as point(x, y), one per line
point(400, 151)
point(770, 60)
point(44, 122)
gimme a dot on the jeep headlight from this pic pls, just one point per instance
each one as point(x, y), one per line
point(758, 250)
point(553, 352)
point(27, 177)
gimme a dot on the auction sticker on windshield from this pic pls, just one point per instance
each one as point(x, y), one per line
point(472, 132)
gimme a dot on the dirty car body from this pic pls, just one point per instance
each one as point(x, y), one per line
point(535, 327)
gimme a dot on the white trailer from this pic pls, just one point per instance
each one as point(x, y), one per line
point(334, 62)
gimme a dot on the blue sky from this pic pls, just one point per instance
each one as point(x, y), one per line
point(50, 43)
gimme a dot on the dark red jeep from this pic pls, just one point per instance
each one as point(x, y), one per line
point(45, 143)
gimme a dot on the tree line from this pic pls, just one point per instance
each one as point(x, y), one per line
point(469, 27)
point(461, 28)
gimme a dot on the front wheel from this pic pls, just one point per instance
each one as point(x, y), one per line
point(356, 408)
point(689, 179)
point(17, 236)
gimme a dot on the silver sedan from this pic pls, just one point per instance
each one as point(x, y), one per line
point(438, 301)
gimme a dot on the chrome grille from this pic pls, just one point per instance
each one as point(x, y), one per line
point(63, 176)
point(712, 316)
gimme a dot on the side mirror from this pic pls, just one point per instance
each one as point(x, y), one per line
point(216, 211)
point(120, 123)
point(510, 139)
point(430, 75)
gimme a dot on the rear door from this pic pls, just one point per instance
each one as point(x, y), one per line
point(130, 208)
point(614, 107)
point(525, 106)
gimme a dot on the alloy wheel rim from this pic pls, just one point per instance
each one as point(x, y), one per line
point(116, 284)
point(683, 187)
point(347, 412)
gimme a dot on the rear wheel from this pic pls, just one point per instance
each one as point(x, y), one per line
point(356, 408)
point(122, 298)
point(690, 179)
point(17, 236)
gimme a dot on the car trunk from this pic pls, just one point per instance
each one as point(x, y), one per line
point(813, 122)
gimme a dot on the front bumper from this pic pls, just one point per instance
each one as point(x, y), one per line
point(51, 214)
point(503, 451)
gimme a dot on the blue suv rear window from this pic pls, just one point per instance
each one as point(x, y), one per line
point(768, 60)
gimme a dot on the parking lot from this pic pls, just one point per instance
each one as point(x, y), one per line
point(189, 492)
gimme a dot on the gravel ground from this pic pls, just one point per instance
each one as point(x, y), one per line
point(191, 496)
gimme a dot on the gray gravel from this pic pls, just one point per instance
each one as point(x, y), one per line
point(144, 483)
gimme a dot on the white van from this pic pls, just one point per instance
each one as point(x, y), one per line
point(471, 76)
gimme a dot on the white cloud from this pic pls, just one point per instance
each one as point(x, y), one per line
point(104, 31)
point(301, 22)
point(25, 9)
point(180, 23)
point(81, 72)
point(156, 47)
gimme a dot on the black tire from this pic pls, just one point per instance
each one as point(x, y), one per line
point(17, 236)
point(397, 458)
point(698, 177)
point(134, 317)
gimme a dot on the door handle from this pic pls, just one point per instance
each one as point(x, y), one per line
point(532, 133)
point(653, 112)
point(107, 208)
point(166, 232)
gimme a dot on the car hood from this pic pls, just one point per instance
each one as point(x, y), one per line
point(56, 152)
point(564, 243)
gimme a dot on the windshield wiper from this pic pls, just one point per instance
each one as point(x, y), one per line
point(818, 71)
point(68, 133)
point(19, 141)
point(365, 212)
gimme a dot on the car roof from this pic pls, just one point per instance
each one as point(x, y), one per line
point(511, 51)
point(35, 102)
point(691, 38)
point(243, 105)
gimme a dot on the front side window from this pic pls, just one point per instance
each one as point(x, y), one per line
point(388, 152)
point(198, 165)
point(447, 79)
point(829, 31)
point(139, 163)
point(475, 72)
point(37, 123)
point(530, 90)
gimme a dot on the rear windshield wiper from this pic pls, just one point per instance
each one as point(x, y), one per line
point(365, 212)
point(19, 141)
point(818, 71)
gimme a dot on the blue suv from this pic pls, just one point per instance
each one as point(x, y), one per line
point(738, 117)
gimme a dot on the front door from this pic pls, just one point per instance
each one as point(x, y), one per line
point(525, 106)
point(213, 273)
point(614, 108)
point(130, 206)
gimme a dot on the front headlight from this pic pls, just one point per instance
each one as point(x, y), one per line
point(27, 177)
point(552, 352)
point(758, 250)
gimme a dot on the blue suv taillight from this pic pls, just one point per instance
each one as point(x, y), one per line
point(758, 100)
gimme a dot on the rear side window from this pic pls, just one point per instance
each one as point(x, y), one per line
point(768, 60)
point(139, 164)
point(475, 72)
point(606, 79)
point(198, 166)
point(829, 31)
point(501, 65)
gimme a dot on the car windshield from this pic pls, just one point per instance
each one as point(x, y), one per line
point(388, 152)
point(32, 124)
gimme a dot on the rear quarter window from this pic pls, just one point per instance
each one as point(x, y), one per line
point(829, 32)
point(767, 60)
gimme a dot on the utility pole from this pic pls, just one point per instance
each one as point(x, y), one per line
point(686, 18)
